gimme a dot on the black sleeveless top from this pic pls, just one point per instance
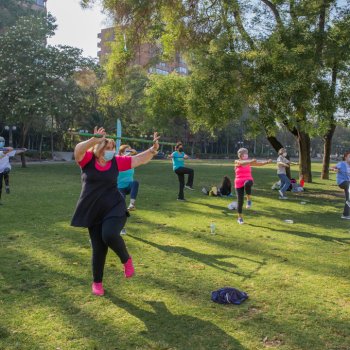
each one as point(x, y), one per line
point(99, 197)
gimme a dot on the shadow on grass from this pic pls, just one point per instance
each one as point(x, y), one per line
point(213, 260)
point(178, 331)
point(344, 240)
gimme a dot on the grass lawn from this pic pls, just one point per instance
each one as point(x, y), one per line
point(297, 275)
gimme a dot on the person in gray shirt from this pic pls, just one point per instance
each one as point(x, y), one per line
point(282, 164)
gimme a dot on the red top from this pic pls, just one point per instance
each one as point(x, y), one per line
point(123, 162)
point(243, 173)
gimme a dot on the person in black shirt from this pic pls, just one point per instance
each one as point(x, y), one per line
point(101, 208)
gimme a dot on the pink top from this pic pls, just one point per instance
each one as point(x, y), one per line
point(243, 174)
point(123, 162)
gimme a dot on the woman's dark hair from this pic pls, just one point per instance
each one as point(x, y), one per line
point(178, 144)
point(345, 155)
point(225, 188)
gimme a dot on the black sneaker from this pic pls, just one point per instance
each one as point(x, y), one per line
point(8, 190)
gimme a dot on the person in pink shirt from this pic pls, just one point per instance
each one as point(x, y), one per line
point(244, 180)
point(101, 208)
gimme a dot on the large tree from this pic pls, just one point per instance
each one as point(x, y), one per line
point(287, 56)
point(33, 75)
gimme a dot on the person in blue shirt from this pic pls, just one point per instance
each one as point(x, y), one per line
point(126, 183)
point(343, 181)
point(178, 157)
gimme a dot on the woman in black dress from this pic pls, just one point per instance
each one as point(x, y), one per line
point(101, 208)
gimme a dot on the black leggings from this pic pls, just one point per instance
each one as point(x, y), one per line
point(345, 186)
point(247, 188)
point(103, 236)
point(4, 175)
point(181, 172)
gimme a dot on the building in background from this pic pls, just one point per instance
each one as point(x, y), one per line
point(145, 55)
point(39, 5)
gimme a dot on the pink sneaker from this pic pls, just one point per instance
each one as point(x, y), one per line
point(129, 270)
point(97, 289)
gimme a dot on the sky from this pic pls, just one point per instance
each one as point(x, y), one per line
point(76, 26)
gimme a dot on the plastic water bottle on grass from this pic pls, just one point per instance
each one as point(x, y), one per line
point(212, 228)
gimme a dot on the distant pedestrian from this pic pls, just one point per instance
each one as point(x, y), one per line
point(178, 157)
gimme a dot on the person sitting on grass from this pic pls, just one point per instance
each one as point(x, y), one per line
point(224, 190)
point(244, 180)
point(343, 181)
point(101, 207)
point(178, 157)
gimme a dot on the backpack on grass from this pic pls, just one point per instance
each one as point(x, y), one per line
point(228, 295)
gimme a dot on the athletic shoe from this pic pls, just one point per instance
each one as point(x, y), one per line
point(281, 193)
point(249, 204)
point(129, 270)
point(240, 221)
point(123, 231)
point(97, 289)
point(345, 217)
point(181, 199)
point(189, 188)
point(131, 207)
point(7, 190)
point(347, 203)
point(283, 197)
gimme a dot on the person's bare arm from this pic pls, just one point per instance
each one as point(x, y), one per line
point(245, 162)
point(283, 164)
point(8, 150)
point(256, 163)
point(146, 156)
point(82, 147)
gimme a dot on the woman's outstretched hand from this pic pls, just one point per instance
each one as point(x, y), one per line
point(156, 137)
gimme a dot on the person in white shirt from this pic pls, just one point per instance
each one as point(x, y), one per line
point(5, 166)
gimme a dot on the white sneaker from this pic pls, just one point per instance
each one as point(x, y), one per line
point(131, 207)
point(189, 188)
point(240, 221)
point(281, 193)
point(123, 231)
point(283, 197)
point(345, 217)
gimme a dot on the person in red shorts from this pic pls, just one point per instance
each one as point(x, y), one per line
point(101, 208)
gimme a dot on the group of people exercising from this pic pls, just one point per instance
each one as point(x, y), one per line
point(101, 207)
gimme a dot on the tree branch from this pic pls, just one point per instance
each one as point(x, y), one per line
point(239, 23)
point(321, 28)
point(275, 12)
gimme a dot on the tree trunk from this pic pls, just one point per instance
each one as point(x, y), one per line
point(327, 152)
point(304, 155)
point(41, 146)
point(24, 136)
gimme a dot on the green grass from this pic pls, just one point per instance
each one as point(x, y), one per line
point(296, 275)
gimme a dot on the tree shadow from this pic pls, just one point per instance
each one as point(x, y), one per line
point(344, 240)
point(178, 331)
point(213, 260)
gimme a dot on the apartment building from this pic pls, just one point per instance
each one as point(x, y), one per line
point(39, 5)
point(145, 55)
